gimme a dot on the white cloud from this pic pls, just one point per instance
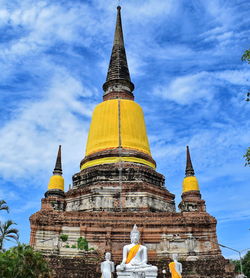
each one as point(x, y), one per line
point(235, 77)
point(188, 89)
point(29, 140)
point(39, 25)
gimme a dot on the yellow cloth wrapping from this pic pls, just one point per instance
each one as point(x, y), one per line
point(132, 252)
point(190, 183)
point(117, 122)
point(133, 128)
point(56, 182)
point(104, 128)
point(174, 273)
point(108, 160)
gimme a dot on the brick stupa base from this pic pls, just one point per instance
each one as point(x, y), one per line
point(103, 210)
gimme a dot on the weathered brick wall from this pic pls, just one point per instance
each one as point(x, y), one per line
point(76, 267)
point(89, 267)
point(209, 268)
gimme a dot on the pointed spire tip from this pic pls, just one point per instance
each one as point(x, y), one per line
point(58, 165)
point(189, 167)
point(118, 77)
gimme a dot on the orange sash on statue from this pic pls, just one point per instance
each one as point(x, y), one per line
point(173, 271)
point(132, 252)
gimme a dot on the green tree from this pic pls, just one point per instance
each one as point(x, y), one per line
point(237, 265)
point(246, 264)
point(246, 57)
point(7, 232)
point(3, 206)
point(247, 157)
point(23, 261)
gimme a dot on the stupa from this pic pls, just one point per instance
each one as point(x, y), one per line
point(118, 186)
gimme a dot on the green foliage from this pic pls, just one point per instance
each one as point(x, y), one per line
point(237, 265)
point(248, 96)
point(246, 264)
point(7, 232)
point(67, 246)
point(73, 246)
point(247, 157)
point(3, 206)
point(82, 244)
point(246, 56)
point(64, 237)
point(23, 262)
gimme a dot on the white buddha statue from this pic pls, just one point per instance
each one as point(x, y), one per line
point(135, 256)
point(175, 267)
point(107, 267)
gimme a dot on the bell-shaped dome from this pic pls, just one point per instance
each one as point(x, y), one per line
point(56, 182)
point(190, 184)
point(118, 124)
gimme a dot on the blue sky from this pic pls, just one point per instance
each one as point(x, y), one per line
point(185, 61)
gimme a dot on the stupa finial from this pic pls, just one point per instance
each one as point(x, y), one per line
point(58, 165)
point(189, 167)
point(118, 77)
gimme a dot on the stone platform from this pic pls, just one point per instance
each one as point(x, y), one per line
point(137, 274)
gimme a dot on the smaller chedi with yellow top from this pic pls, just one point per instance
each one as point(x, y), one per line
point(191, 196)
point(190, 182)
point(56, 182)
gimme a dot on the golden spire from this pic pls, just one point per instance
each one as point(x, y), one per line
point(190, 182)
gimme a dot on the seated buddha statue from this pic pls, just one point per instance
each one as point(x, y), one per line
point(135, 256)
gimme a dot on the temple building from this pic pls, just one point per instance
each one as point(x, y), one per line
point(118, 186)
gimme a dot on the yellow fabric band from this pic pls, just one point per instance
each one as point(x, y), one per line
point(174, 273)
point(108, 160)
point(132, 252)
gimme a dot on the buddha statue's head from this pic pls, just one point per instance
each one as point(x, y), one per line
point(108, 256)
point(135, 235)
point(175, 257)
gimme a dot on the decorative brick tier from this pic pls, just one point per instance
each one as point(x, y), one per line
point(119, 187)
point(118, 94)
point(118, 172)
point(163, 233)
